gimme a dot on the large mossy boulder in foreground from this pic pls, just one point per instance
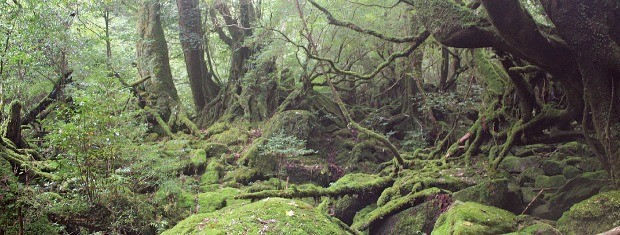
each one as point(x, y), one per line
point(465, 218)
point(268, 216)
point(597, 214)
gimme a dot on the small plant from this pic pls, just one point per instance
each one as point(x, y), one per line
point(283, 146)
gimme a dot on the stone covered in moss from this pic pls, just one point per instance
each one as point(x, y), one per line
point(576, 190)
point(268, 216)
point(415, 220)
point(514, 164)
point(556, 181)
point(299, 123)
point(493, 193)
point(465, 218)
point(215, 149)
point(597, 214)
point(212, 201)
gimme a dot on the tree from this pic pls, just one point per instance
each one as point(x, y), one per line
point(153, 61)
point(579, 53)
point(204, 89)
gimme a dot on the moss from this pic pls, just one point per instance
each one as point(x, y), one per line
point(209, 177)
point(212, 201)
point(198, 157)
point(236, 134)
point(590, 164)
point(597, 175)
point(519, 164)
point(299, 123)
point(268, 216)
point(570, 172)
point(215, 149)
point(217, 128)
point(597, 214)
point(551, 167)
point(543, 181)
point(473, 218)
point(493, 193)
point(242, 175)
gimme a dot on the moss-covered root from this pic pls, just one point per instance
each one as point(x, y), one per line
point(22, 161)
point(395, 206)
point(349, 184)
point(160, 121)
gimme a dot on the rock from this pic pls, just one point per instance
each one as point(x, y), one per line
point(215, 149)
point(543, 181)
point(551, 167)
point(528, 225)
point(267, 216)
point(416, 220)
point(299, 123)
point(519, 164)
point(590, 165)
point(212, 201)
point(345, 208)
point(570, 172)
point(597, 214)
point(528, 177)
point(596, 175)
point(576, 190)
point(465, 218)
point(493, 193)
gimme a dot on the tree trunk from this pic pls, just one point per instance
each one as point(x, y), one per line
point(153, 60)
point(204, 89)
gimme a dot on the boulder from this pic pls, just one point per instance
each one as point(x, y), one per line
point(493, 193)
point(267, 216)
point(576, 190)
point(465, 218)
point(415, 220)
point(597, 214)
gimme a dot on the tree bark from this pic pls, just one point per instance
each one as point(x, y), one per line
point(203, 88)
point(153, 60)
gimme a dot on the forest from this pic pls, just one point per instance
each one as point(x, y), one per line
point(466, 117)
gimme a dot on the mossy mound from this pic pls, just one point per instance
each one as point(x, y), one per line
point(465, 218)
point(299, 123)
point(492, 193)
point(268, 216)
point(212, 201)
point(594, 215)
point(415, 220)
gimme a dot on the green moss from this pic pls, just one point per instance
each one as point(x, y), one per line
point(215, 149)
point(268, 216)
point(543, 181)
point(217, 128)
point(475, 219)
point(212, 201)
point(235, 135)
point(551, 167)
point(492, 193)
point(570, 172)
point(597, 175)
point(198, 157)
point(242, 175)
point(597, 214)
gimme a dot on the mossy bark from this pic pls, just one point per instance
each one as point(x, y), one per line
point(153, 60)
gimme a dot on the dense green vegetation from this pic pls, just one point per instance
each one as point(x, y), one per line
point(309, 117)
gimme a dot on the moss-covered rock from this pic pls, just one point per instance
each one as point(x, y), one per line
point(242, 175)
point(594, 215)
point(556, 181)
point(416, 220)
point(551, 167)
point(465, 218)
point(268, 216)
point(590, 165)
point(299, 123)
point(212, 201)
point(215, 149)
point(493, 193)
point(576, 190)
point(514, 164)
point(570, 172)
point(235, 134)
